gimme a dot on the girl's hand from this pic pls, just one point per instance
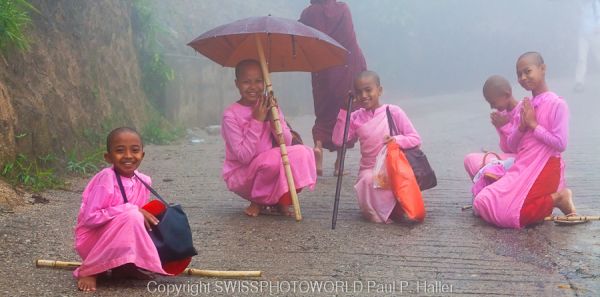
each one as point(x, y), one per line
point(261, 108)
point(498, 120)
point(528, 115)
point(149, 219)
point(387, 139)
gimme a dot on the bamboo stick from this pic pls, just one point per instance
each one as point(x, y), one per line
point(572, 218)
point(187, 271)
point(279, 131)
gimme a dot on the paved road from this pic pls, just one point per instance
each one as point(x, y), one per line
point(451, 250)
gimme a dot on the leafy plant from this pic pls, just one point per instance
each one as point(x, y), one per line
point(85, 163)
point(159, 131)
point(36, 175)
point(156, 73)
point(14, 18)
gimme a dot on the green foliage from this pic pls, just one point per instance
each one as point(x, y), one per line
point(35, 175)
point(159, 131)
point(84, 163)
point(156, 73)
point(14, 18)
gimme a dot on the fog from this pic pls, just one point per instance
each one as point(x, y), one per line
point(419, 47)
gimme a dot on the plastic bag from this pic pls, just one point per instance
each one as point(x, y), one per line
point(380, 176)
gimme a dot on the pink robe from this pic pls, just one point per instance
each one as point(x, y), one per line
point(253, 168)
point(500, 203)
point(330, 86)
point(369, 128)
point(473, 161)
point(111, 233)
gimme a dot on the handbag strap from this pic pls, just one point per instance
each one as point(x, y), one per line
point(391, 124)
point(153, 191)
point(144, 183)
point(121, 186)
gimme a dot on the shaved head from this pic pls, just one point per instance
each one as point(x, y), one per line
point(534, 57)
point(243, 64)
point(496, 85)
point(369, 74)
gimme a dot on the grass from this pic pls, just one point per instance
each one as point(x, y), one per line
point(14, 19)
point(34, 174)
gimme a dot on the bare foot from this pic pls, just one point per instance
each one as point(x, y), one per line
point(564, 201)
point(318, 160)
point(284, 210)
point(252, 210)
point(87, 283)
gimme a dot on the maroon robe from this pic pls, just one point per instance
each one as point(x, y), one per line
point(331, 86)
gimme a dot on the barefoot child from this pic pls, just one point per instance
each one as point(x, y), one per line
point(112, 234)
point(529, 190)
point(498, 93)
point(370, 127)
point(253, 168)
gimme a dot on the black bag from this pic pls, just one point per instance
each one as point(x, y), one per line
point(418, 161)
point(172, 236)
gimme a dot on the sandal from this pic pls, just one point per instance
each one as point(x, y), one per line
point(570, 219)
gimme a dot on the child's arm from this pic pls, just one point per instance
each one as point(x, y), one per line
point(503, 133)
point(557, 134)
point(502, 123)
point(408, 136)
point(96, 210)
point(337, 135)
point(241, 140)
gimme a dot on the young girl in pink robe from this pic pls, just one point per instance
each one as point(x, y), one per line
point(498, 93)
point(529, 190)
point(369, 126)
point(111, 233)
point(253, 168)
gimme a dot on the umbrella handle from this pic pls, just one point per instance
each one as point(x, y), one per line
point(279, 131)
point(338, 186)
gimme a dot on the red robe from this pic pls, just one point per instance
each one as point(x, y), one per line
point(331, 86)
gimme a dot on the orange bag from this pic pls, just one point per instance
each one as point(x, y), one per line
point(403, 183)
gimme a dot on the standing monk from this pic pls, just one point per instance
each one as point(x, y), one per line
point(331, 86)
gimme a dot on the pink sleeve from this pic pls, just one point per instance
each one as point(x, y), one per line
point(287, 133)
point(96, 210)
point(556, 135)
point(338, 130)
point(503, 133)
point(514, 135)
point(408, 136)
point(241, 140)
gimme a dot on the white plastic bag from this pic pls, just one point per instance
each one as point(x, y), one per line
point(380, 176)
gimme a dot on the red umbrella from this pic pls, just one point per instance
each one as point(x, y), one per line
point(280, 45)
point(288, 45)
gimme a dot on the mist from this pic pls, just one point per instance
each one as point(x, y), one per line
point(419, 48)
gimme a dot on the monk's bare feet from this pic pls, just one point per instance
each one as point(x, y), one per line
point(87, 283)
point(284, 210)
point(563, 199)
point(252, 210)
point(318, 160)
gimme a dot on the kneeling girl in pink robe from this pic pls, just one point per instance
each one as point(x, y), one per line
point(369, 126)
point(498, 93)
point(253, 168)
point(110, 232)
point(529, 190)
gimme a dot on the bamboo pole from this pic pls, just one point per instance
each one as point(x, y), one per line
point(279, 131)
point(187, 271)
point(572, 218)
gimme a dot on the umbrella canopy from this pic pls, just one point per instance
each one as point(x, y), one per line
point(288, 45)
